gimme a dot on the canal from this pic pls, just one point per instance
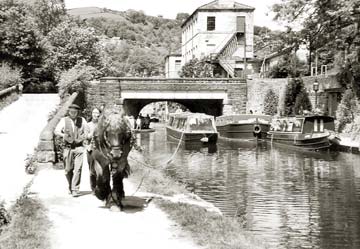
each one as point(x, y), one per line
point(288, 198)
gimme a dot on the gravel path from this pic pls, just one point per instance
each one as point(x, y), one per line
point(20, 127)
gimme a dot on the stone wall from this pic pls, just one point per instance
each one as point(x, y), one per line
point(108, 90)
point(45, 151)
point(258, 87)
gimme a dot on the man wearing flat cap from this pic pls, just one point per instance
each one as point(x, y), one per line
point(73, 130)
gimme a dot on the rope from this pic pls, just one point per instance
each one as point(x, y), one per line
point(148, 165)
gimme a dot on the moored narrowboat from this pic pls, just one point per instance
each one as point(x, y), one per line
point(192, 127)
point(243, 126)
point(305, 132)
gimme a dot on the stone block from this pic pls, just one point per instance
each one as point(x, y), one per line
point(45, 145)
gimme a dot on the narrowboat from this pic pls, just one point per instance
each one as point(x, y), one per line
point(305, 132)
point(243, 126)
point(192, 127)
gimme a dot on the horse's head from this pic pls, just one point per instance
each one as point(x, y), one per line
point(114, 136)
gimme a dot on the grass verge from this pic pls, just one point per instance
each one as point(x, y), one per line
point(29, 225)
point(208, 229)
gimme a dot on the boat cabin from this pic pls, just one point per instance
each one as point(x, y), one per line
point(303, 124)
point(192, 122)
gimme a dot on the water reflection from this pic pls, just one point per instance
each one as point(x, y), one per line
point(292, 199)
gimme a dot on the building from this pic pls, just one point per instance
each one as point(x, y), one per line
point(173, 65)
point(222, 32)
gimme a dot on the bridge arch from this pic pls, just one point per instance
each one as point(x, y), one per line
point(214, 96)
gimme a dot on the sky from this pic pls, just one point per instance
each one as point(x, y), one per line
point(169, 8)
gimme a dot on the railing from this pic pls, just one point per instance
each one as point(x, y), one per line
point(230, 47)
point(227, 67)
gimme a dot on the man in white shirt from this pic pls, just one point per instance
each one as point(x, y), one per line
point(73, 129)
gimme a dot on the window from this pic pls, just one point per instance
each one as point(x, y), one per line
point(210, 23)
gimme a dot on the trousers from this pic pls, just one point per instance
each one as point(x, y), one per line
point(73, 160)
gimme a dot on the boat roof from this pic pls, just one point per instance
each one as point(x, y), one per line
point(311, 116)
point(190, 114)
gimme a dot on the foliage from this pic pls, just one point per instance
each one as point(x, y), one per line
point(327, 25)
point(296, 98)
point(288, 66)
point(347, 109)
point(9, 77)
point(29, 226)
point(4, 216)
point(271, 102)
point(70, 44)
point(30, 166)
point(48, 14)
point(20, 43)
point(196, 68)
point(76, 79)
point(302, 102)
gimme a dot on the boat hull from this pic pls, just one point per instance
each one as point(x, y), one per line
point(301, 141)
point(192, 137)
point(243, 131)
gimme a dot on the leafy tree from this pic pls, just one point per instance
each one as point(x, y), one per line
point(196, 68)
point(20, 43)
point(296, 98)
point(48, 14)
point(9, 77)
point(69, 44)
point(271, 102)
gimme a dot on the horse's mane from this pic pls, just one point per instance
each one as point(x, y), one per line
point(112, 119)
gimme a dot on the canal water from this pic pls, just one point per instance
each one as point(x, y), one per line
point(288, 198)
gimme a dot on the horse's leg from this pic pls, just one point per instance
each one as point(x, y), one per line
point(118, 188)
point(102, 189)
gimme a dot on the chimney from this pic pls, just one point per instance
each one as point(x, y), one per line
point(226, 3)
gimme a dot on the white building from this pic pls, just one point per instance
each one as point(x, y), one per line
point(222, 31)
point(173, 65)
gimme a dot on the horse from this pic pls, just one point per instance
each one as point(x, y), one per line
point(113, 141)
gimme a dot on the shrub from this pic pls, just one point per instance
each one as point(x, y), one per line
point(296, 98)
point(4, 216)
point(197, 69)
point(271, 102)
point(9, 77)
point(76, 79)
point(347, 109)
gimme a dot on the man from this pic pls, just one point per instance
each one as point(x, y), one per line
point(73, 130)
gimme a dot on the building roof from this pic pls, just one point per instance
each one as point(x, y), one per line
point(216, 5)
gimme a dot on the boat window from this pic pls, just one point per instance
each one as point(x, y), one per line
point(315, 125)
point(171, 121)
point(297, 126)
point(290, 126)
point(197, 124)
point(181, 123)
point(321, 125)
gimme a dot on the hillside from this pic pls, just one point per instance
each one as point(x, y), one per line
point(144, 41)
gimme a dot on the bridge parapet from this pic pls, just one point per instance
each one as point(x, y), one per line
point(230, 94)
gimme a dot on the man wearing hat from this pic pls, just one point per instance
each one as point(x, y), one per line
point(73, 130)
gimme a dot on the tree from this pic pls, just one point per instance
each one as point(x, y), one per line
point(196, 68)
point(48, 14)
point(296, 98)
point(20, 41)
point(69, 44)
point(271, 102)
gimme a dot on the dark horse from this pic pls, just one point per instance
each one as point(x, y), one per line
point(113, 141)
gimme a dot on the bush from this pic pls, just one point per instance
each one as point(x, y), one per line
point(4, 216)
point(197, 69)
point(271, 102)
point(76, 79)
point(347, 109)
point(296, 98)
point(9, 77)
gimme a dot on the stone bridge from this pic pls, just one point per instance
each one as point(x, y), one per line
point(215, 96)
